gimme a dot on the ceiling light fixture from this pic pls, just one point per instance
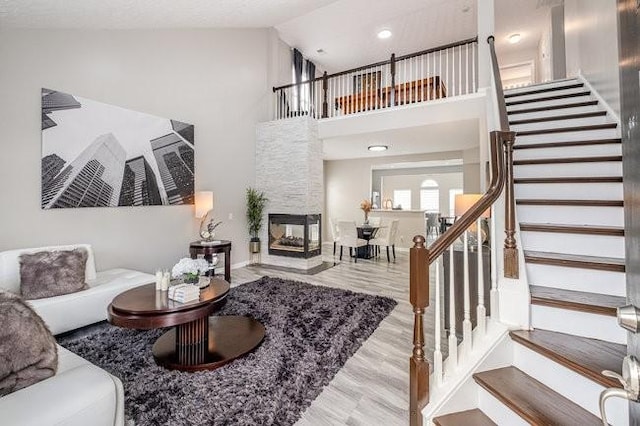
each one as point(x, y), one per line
point(378, 148)
point(514, 38)
point(384, 34)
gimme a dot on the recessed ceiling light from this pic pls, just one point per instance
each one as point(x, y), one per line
point(514, 38)
point(378, 148)
point(384, 34)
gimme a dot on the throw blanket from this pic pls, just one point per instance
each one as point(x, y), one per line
point(28, 351)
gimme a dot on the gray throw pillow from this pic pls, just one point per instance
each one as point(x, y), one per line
point(52, 273)
point(28, 352)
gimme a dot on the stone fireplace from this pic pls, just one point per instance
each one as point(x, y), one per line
point(289, 171)
point(295, 235)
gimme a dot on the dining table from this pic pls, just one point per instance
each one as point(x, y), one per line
point(366, 232)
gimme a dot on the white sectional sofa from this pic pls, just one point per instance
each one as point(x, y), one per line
point(80, 393)
point(75, 310)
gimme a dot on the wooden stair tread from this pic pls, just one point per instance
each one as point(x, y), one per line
point(559, 117)
point(535, 402)
point(473, 417)
point(543, 90)
point(565, 144)
point(587, 357)
point(595, 179)
point(595, 303)
point(614, 231)
point(612, 264)
point(566, 160)
point(574, 203)
point(567, 129)
point(553, 107)
point(549, 98)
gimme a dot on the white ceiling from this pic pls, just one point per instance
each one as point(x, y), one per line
point(440, 137)
point(525, 17)
point(346, 29)
point(128, 14)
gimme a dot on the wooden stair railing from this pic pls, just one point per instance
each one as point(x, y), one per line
point(421, 257)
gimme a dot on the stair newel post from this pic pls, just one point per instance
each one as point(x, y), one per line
point(419, 299)
point(325, 103)
point(511, 266)
point(393, 79)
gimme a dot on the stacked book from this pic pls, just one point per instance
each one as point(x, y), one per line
point(184, 293)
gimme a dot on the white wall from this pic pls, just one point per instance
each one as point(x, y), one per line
point(214, 79)
point(591, 37)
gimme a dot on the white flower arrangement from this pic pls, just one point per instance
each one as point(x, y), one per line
point(188, 266)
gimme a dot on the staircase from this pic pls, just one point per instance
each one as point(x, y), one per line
point(568, 187)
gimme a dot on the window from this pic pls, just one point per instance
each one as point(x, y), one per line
point(429, 196)
point(452, 200)
point(402, 199)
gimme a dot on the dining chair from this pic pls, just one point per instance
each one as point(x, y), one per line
point(335, 235)
point(386, 237)
point(433, 222)
point(349, 237)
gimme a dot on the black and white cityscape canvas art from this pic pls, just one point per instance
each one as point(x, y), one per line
point(100, 155)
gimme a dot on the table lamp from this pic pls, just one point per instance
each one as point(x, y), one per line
point(463, 203)
point(204, 203)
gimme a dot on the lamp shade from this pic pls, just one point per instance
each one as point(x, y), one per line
point(465, 201)
point(204, 203)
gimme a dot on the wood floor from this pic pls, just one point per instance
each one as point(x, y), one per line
point(372, 387)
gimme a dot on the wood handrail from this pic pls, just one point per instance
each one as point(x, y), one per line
point(381, 63)
point(502, 105)
point(499, 143)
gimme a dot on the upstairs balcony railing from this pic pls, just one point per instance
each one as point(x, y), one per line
point(424, 76)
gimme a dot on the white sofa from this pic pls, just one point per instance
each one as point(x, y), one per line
point(75, 310)
point(80, 393)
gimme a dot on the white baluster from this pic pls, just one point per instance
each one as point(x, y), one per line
point(437, 353)
point(460, 70)
point(452, 70)
point(466, 323)
point(473, 67)
point(494, 299)
point(481, 311)
point(466, 48)
point(453, 339)
point(442, 79)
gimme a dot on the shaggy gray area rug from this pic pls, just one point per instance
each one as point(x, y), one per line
point(311, 331)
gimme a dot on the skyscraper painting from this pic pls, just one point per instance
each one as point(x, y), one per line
point(100, 155)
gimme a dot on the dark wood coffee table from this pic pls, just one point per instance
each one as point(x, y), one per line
point(196, 342)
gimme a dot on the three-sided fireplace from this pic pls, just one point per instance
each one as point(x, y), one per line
point(295, 235)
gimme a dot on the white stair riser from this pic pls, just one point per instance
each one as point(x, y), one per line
point(554, 112)
point(579, 323)
point(541, 104)
point(559, 92)
point(497, 411)
point(580, 135)
point(588, 245)
point(605, 216)
point(560, 151)
point(571, 385)
point(566, 191)
point(557, 83)
point(558, 124)
point(589, 280)
point(605, 168)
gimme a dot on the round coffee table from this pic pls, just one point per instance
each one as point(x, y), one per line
point(196, 342)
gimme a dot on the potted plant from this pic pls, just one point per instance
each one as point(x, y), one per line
point(256, 202)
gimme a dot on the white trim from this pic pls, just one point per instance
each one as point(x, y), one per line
point(601, 100)
point(240, 264)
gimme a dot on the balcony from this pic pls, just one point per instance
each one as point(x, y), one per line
point(427, 76)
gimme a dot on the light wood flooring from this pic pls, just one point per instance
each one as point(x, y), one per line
point(372, 387)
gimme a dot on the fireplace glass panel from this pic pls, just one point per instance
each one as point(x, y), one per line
point(295, 235)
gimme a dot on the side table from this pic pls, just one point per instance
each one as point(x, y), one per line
point(209, 249)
